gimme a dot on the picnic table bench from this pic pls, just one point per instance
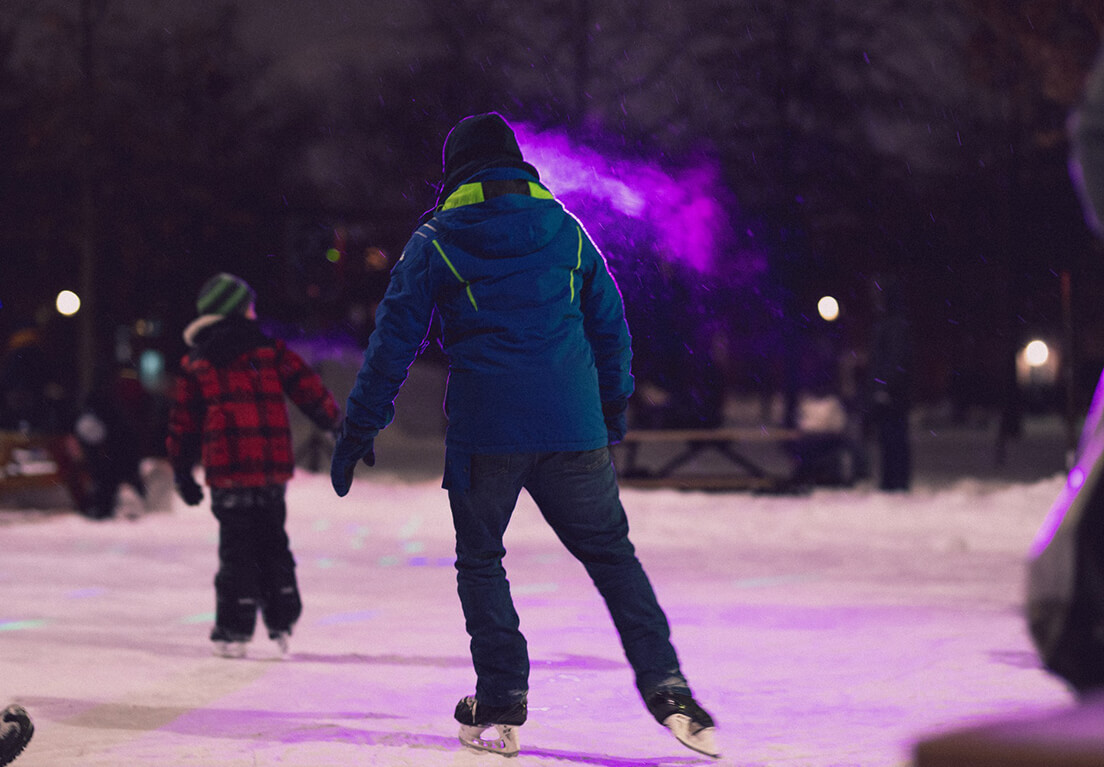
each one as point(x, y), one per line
point(33, 462)
point(27, 461)
point(732, 443)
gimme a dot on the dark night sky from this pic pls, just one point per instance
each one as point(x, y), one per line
point(309, 42)
point(307, 39)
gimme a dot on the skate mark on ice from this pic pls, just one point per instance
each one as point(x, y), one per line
point(1016, 658)
point(587, 662)
point(242, 724)
point(86, 593)
point(336, 619)
point(332, 733)
point(787, 617)
point(604, 760)
point(340, 734)
point(582, 662)
point(383, 660)
point(767, 581)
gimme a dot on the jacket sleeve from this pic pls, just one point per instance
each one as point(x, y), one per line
point(184, 441)
point(606, 329)
point(305, 388)
point(402, 325)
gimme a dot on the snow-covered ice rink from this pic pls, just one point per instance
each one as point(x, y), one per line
point(829, 629)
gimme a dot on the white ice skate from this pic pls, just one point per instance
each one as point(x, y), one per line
point(475, 719)
point(506, 744)
point(692, 735)
point(229, 649)
point(686, 720)
point(283, 643)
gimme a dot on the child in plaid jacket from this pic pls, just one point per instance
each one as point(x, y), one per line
point(229, 413)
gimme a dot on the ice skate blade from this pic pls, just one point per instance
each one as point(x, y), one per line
point(283, 645)
point(702, 741)
point(233, 650)
point(506, 744)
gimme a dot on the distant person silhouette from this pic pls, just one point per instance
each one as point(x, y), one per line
point(891, 384)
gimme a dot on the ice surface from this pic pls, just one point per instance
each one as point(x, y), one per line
point(834, 628)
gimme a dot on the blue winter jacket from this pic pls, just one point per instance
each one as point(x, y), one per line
point(532, 323)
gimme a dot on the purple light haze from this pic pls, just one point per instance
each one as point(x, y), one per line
point(684, 208)
point(1058, 511)
point(1050, 526)
point(1077, 478)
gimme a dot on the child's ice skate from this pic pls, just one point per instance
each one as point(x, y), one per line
point(16, 730)
point(227, 645)
point(228, 649)
point(283, 642)
point(686, 720)
point(474, 719)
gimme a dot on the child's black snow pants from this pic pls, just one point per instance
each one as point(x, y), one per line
point(256, 567)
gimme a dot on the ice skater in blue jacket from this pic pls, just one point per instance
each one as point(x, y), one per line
point(539, 356)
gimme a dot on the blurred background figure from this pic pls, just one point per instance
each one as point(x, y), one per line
point(107, 432)
point(891, 382)
point(25, 384)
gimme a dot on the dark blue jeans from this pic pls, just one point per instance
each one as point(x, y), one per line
point(577, 494)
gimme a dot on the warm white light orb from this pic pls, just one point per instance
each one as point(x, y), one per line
point(828, 308)
point(1036, 353)
point(68, 303)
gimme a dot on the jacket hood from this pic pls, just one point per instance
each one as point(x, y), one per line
point(476, 143)
point(505, 226)
point(220, 339)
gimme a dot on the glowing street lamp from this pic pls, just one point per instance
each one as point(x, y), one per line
point(828, 309)
point(68, 303)
point(1036, 353)
point(1037, 365)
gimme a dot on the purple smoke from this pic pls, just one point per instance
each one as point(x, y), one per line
point(683, 208)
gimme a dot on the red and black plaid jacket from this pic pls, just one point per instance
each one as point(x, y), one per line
point(229, 409)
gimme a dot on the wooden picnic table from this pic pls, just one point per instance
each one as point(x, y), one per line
point(737, 444)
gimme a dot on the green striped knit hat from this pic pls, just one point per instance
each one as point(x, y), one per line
point(225, 294)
